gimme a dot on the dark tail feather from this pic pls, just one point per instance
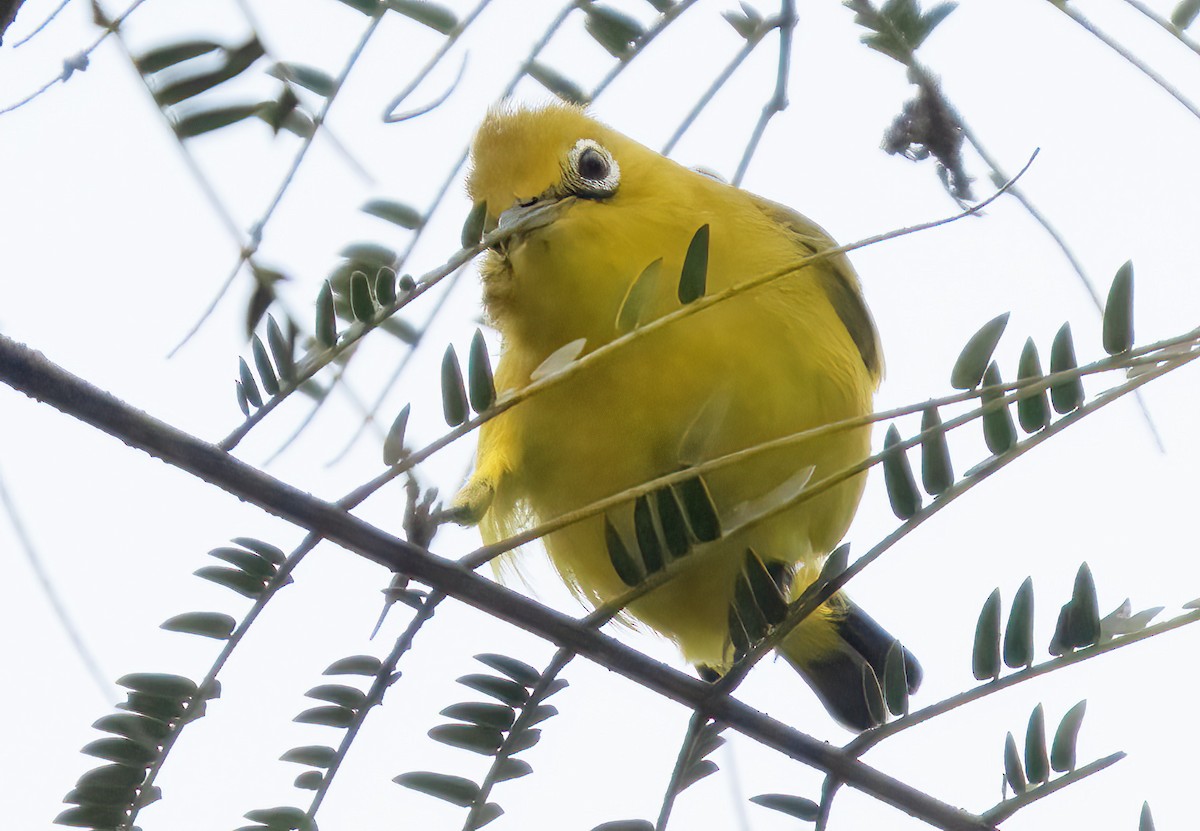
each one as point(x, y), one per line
point(837, 677)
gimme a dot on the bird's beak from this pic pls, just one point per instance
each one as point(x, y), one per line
point(518, 212)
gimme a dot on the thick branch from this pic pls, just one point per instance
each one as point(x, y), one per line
point(8, 13)
point(30, 372)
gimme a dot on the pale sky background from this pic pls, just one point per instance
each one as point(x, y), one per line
point(110, 253)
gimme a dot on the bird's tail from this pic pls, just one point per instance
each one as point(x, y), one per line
point(841, 652)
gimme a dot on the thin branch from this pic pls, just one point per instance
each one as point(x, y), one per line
point(389, 114)
point(6, 17)
point(1170, 28)
point(668, 17)
point(1008, 807)
point(78, 61)
point(318, 121)
point(57, 606)
point(1129, 57)
point(31, 373)
point(683, 761)
point(778, 101)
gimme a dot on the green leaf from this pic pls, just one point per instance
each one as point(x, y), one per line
point(837, 562)
point(558, 360)
point(453, 789)
point(93, 816)
point(454, 394)
point(1065, 395)
point(262, 363)
point(393, 445)
point(310, 780)
point(232, 578)
point(281, 819)
point(483, 740)
point(479, 372)
point(557, 83)
point(248, 384)
point(648, 543)
point(247, 561)
point(1037, 762)
point(326, 320)
point(331, 716)
point(236, 61)
point(158, 683)
point(694, 275)
point(268, 552)
point(641, 294)
point(161, 707)
point(523, 740)
point(385, 287)
point(111, 776)
point(973, 360)
point(206, 121)
point(662, 6)
point(985, 657)
point(243, 402)
point(1013, 771)
point(1118, 312)
point(165, 56)
point(354, 665)
point(699, 508)
point(486, 814)
point(1033, 410)
point(518, 671)
point(767, 596)
point(895, 680)
point(695, 773)
point(793, 806)
point(496, 716)
point(205, 624)
point(364, 6)
point(1183, 16)
point(340, 694)
point(281, 350)
point(898, 477)
point(313, 755)
point(507, 769)
point(368, 255)
point(397, 213)
point(625, 825)
point(937, 472)
point(753, 621)
point(309, 77)
point(628, 567)
point(502, 689)
point(743, 24)
point(121, 751)
point(472, 230)
point(1062, 751)
point(435, 16)
point(670, 518)
point(999, 432)
point(145, 731)
point(615, 31)
point(873, 696)
point(361, 303)
point(1145, 819)
point(1018, 634)
point(1084, 627)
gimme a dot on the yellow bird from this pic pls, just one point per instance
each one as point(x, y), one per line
point(794, 354)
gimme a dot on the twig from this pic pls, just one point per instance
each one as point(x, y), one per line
point(1009, 807)
point(6, 17)
point(27, 371)
point(1129, 57)
point(57, 606)
point(318, 121)
point(682, 762)
point(722, 78)
point(389, 114)
point(1167, 25)
point(78, 61)
point(778, 101)
point(668, 17)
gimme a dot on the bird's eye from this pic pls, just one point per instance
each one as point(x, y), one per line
point(591, 171)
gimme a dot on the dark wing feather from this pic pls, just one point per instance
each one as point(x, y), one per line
point(838, 281)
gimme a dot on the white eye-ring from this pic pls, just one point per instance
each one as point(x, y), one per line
point(591, 171)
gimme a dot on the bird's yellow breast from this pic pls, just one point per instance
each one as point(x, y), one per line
point(776, 359)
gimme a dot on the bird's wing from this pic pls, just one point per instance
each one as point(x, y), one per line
point(837, 279)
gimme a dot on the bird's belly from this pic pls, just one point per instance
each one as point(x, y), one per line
point(638, 404)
